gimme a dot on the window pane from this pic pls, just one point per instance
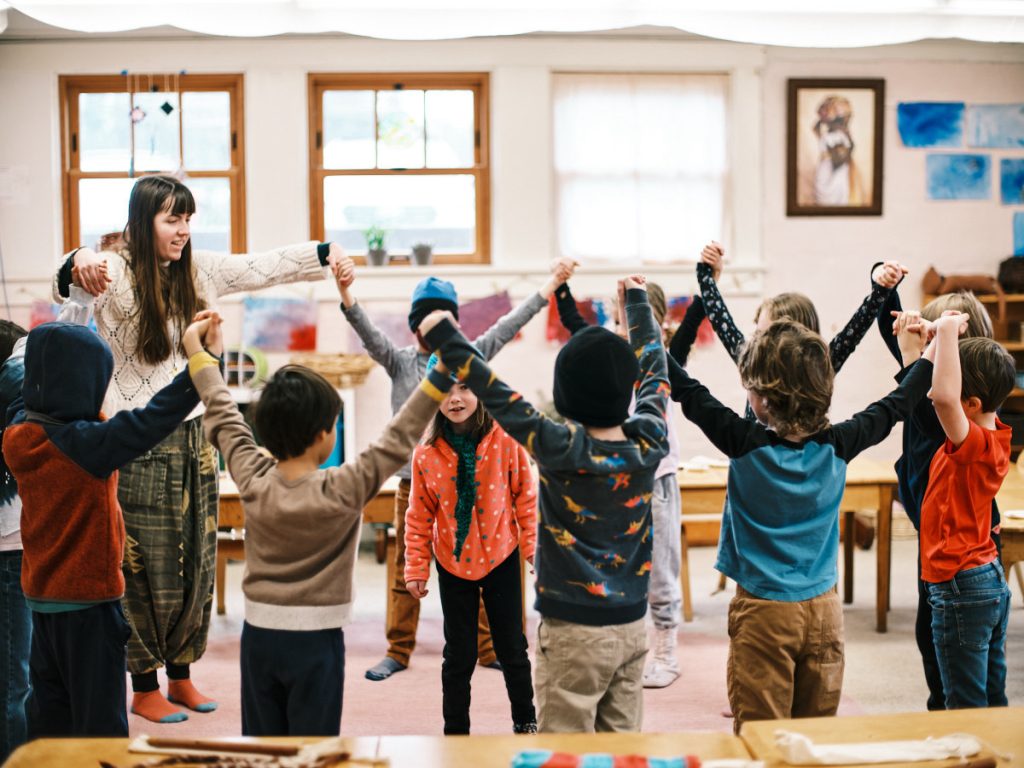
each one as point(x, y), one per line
point(156, 132)
point(104, 141)
point(450, 129)
point(440, 210)
point(102, 208)
point(211, 224)
point(400, 129)
point(206, 130)
point(348, 129)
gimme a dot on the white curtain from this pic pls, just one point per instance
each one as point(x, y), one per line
point(802, 23)
point(641, 165)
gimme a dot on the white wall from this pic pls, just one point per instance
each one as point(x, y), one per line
point(826, 258)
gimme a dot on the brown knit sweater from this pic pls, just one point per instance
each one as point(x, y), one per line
point(301, 536)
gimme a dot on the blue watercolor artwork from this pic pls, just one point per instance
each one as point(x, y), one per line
point(959, 177)
point(997, 126)
point(1018, 234)
point(1011, 181)
point(931, 124)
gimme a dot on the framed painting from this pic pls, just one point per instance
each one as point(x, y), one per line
point(834, 141)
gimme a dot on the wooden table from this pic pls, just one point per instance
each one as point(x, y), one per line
point(417, 751)
point(870, 484)
point(1011, 497)
point(1001, 728)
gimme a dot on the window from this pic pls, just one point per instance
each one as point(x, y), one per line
point(403, 153)
point(116, 128)
point(641, 165)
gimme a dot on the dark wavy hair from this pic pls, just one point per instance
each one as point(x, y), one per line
point(789, 366)
point(162, 293)
point(295, 406)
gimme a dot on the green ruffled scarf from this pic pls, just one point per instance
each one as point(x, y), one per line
point(465, 482)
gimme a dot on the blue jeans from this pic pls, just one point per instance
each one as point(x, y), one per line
point(16, 619)
point(969, 617)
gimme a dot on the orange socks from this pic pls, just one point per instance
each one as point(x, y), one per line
point(153, 706)
point(184, 693)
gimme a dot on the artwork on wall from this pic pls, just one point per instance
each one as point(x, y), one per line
point(476, 316)
point(279, 325)
point(931, 124)
point(834, 141)
point(958, 177)
point(995, 126)
point(1011, 181)
point(1018, 234)
point(42, 312)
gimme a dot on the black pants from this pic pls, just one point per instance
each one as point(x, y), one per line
point(503, 601)
point(77, 670)
point(292, 682)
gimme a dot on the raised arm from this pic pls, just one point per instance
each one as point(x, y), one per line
point(721, 320)
point(683, 339)
point(652, 394)
point(947, 379)
point(873, 424)
point(235, 273)
point(377, 345)
point(884, 280)
point(546, 441)
point(502, 332)
point(728, 431)
point(568, 313)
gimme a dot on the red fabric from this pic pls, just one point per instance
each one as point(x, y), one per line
point(555, 331)
point(956, 514)
point(71, 524)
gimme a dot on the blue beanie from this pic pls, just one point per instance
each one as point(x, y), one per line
point(431, 294)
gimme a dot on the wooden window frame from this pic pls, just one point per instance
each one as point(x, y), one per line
point(478, 82)
point(71, 86)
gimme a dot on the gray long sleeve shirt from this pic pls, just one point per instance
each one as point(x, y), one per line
point(406, 366)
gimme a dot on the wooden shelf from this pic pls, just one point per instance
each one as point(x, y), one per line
point(1012, 346)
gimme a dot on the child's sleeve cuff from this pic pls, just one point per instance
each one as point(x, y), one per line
point(199, 361)
point(436, 384)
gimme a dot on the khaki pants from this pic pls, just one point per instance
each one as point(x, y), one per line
point(403, 614)
point(589, 678)
point(785, 659)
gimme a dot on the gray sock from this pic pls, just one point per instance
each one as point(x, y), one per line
point(384, 669)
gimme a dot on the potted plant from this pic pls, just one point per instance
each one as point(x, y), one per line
point(422, 253)
point(376, 253)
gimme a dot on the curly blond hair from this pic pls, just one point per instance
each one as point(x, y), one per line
point(788, 365)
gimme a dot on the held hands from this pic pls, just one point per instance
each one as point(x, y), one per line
point(889, 273)
point(89, 271)
point(910, 334)
point(952, 319)
point(204, 332)
point(631, 281)
point(713, 254)
point(343, 269)
point(417, 589)
point(430, 321)
point(563, 268)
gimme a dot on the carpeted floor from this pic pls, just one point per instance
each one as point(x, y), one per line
point(882, 671)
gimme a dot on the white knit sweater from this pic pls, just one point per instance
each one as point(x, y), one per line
point(216, 274)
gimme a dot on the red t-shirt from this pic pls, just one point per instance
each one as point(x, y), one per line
point(956, 514)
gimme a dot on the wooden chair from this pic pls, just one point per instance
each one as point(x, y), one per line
point(684, 558)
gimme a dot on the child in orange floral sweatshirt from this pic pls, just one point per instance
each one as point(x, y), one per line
point(473, 500)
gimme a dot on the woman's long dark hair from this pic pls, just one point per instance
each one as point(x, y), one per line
point(161, 293)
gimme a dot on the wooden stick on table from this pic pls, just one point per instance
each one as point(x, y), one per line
point(217, 745)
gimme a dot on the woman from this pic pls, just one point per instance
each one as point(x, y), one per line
point(147, 293)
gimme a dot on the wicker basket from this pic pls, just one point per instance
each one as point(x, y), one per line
point(341, 370)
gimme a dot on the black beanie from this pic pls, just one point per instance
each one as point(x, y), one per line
point(594, 378)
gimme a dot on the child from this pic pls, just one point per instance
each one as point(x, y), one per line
point(922, 438)
point(473, 500)
point(17, 625)
point(967, 589)
point(594, 541)
point(302, 530)
point(780, 527)
point(792, 306)
point(65, 458)
point(405, 366)
point(665, 596)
